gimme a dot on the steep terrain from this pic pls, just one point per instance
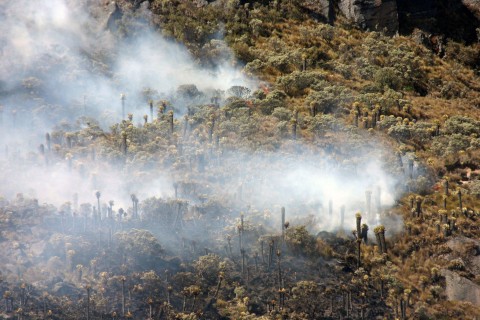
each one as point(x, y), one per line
point(335, 177)
point(458, 19)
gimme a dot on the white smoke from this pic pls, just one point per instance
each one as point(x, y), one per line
point(59, 61)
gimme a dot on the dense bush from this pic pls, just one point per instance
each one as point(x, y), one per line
point(329, 99)
point(462, 125)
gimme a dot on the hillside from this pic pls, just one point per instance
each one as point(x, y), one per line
point(240, 160)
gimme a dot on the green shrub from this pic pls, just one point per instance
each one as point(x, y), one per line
point(329, 99)
point(467, 55)
point(387, 77)
point(282, 114)
point(275, 99)
point(295, 83)
point(462, 125)
point(300, 241)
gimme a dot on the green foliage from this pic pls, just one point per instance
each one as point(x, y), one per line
point(397, 66)
point(462, 125)
point(282, 114)
point(253, 67)
point(303, 300)
point(387, 122)
point(340, 66)
point(157, 210)
point(329, 99)
point(456, 264)
point(193, 32)
point(467, 55)
point(284, 62)
point(188, 91)
point(140, 245)
point(387, 77)
point(274, 100)
point(295, 83)
point(208, 268)
point(475, 188)
point(324, 123)
point(239, 92)
point(448, 145)
point(420, 132)
point(300, 241)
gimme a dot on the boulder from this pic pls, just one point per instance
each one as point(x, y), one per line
point(372, 15)
point(323, 8)
point(456, 19)
point(473, 6)
point(464, 246)
point(468, 250)
point(459, 288)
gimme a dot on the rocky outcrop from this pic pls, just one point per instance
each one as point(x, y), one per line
point(114, 14)
point(456, 19)
point(459, 288)
point(322, 8)
point(473, 6)
point(372, 14)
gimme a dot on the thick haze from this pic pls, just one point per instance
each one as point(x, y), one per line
point(307, 183)
point(59, 61)
point(62, 53)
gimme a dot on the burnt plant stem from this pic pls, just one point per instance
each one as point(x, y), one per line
point(342, 216)
point(243, 260)
point(359, 252)
point(240, 244)
point(88, 302)
point(270, 255)
point(263, 252)
point(382, 238)
point(219, 284)
point(460, 204)
point(123, 296)
point(279, 270)
point(358, 218)
point(379, 240)
point(193, 303)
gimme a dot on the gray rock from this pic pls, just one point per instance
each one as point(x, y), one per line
point(466, 249)
point(459, 288)
point(456, 19)
point(473, 6)
point(373, 15)
point(464, 246)
point(323, 8)
point(136, 3)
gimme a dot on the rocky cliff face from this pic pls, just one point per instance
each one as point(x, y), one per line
point(456, 19)
point(372, 14)
point(473, 6)
point(323, 8)
point(459, 288)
